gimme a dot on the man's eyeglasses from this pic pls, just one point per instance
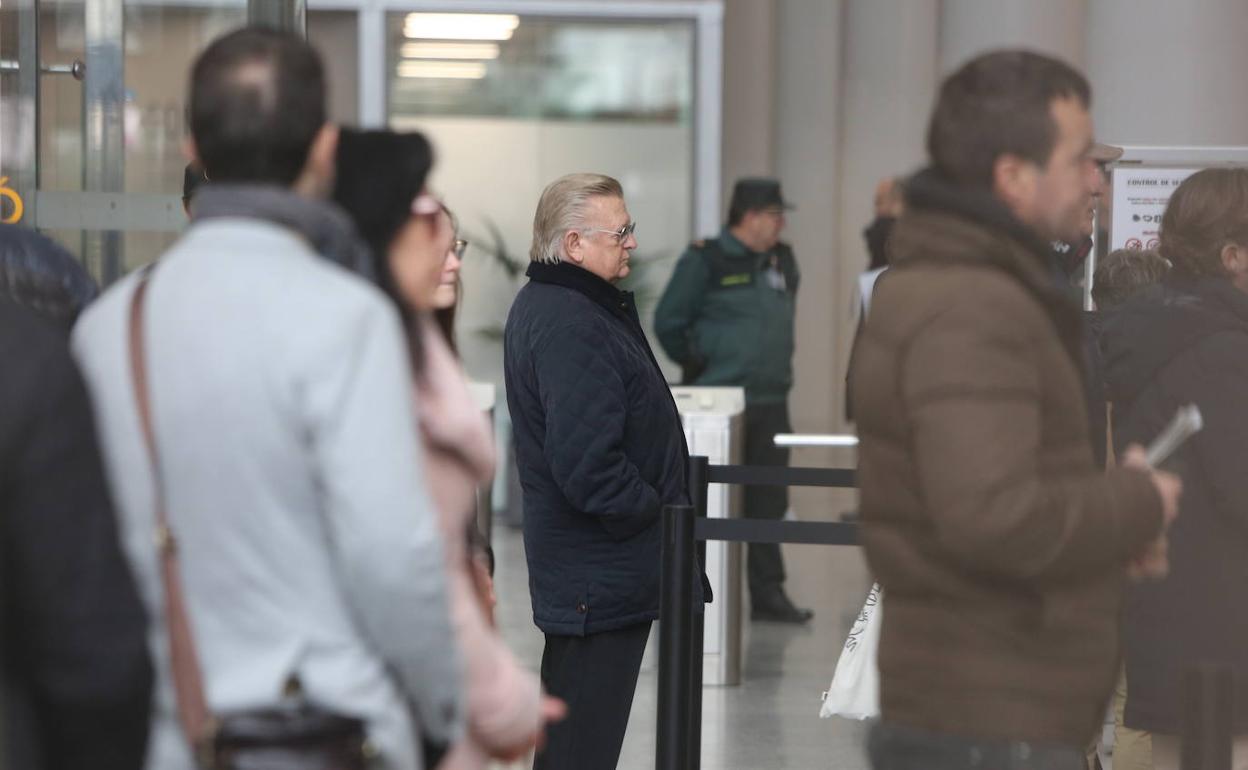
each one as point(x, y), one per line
point(621, 235)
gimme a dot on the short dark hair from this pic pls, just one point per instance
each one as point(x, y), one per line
point(38, 273)
point(1206, 213)
point(257, 102)
point(1124, 273)
point(998, 104)
point(192, 179)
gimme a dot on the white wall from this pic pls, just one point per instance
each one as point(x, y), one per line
point(806, 137)
point(494, 169)
point(749, 101)
point(969, 27)
point(887, 87)
point(1169, 73)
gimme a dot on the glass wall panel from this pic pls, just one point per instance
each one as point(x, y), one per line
point(162, 41)
point(335, 34)
point(513, 102)
point(17, 115)
point(159, 42)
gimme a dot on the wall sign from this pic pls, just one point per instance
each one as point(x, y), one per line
point(1140, 198)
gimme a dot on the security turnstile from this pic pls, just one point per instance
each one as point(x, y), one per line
point(714, 428)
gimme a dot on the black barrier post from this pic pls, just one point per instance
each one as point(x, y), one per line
point(1208, 701)
point(675, 642)
point(698, 494)
point(685, 528)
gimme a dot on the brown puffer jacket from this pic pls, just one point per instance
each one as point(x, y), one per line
point(1000, 545)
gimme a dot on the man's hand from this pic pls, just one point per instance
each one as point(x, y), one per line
point(1153, 563)
point(551, 710)
point(1168, 485)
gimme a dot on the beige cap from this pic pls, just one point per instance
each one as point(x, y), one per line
point(1104, 153)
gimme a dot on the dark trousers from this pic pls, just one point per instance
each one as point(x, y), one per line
point(893, 747)
point(596, 676)
point(765, 564)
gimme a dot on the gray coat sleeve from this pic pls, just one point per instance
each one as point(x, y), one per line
point(381, 519)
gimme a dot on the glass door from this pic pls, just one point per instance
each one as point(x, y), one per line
point(92, 106)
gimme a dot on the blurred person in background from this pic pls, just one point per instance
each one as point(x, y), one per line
point(192, 179)
point(1124, 273)
point(1070, 256)
point(281, 405)
point(1186, 342)
point(1069, 260)
point(600, 450)
point(39, 273)
point(1120, 275)
point(77, 677)
point(446, 302)
point(727, 317)
point(889, 203)
point(412, 236)
point(1000, 545)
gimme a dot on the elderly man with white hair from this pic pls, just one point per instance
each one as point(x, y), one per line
point(600, 451)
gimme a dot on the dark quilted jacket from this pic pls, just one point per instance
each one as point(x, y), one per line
point(1186, 342)
point(599, 448)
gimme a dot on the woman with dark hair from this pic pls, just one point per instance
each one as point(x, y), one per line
point(37, 272)
point(381, 184)
point(446, 303)
point(1186, 342)
point(446, 299)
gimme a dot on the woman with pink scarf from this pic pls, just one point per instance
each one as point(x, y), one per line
point(381, 184)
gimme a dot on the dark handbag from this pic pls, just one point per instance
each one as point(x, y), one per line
point(294, 735)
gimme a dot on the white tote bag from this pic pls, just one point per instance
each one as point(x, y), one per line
point(855, 689)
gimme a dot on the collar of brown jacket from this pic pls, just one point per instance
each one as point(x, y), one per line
point(953, 224)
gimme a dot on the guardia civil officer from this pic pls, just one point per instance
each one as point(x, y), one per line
point(727, 318)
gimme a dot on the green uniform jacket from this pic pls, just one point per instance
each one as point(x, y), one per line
point(727, 317)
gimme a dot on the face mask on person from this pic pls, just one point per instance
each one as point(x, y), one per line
point(876, 235)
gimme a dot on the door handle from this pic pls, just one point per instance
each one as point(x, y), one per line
point(75, 69)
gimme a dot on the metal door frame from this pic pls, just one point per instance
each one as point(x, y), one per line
point(103, 210)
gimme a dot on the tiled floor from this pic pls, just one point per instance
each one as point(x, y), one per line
point(771, 720)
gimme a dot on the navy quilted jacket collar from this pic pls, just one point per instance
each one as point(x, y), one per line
point(620, 304)
point(570, 276)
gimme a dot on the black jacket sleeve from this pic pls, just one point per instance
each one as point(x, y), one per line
point(74, 627)
point(1216, 382)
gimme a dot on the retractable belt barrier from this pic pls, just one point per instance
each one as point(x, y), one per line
point(1208, 693)
point(685, 532)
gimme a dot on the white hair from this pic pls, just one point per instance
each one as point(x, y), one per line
point(562, 207)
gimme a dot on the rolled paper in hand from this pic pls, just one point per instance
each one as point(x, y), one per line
point(1187, 421)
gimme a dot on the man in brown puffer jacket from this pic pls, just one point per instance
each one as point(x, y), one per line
point(1001, 547)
